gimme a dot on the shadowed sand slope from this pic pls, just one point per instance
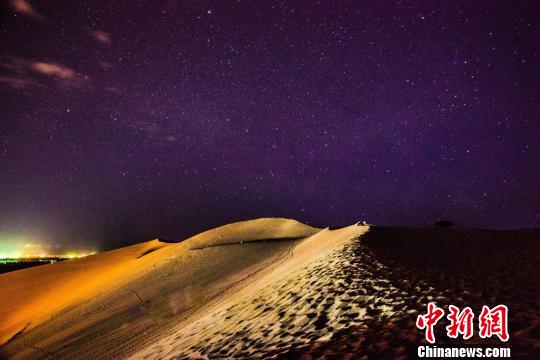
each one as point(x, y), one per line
point(110, 303)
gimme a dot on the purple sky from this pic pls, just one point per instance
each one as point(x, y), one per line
point(125, 120)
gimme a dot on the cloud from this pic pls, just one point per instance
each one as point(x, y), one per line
point(18, 83)
point(22, 73)
point(52, 69)
point(23, 7)
point(101, 36)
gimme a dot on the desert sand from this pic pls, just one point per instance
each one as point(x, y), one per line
point(271, 288)
point(104, 304)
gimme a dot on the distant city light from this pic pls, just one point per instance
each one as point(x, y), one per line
point(18, 247)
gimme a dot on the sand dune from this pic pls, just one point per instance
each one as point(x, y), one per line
point(273, 313)
point(232, 292)
point(140, 287)
point(349, 293)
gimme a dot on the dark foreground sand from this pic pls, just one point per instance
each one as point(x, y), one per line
point(459, 267)
point(349, 293)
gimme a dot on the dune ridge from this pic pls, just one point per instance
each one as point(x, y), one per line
point(250, 320)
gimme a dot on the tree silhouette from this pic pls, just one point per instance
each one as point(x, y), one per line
point(444, 224)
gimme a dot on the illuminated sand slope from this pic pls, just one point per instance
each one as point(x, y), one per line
point(97, 305)
point(353, 292)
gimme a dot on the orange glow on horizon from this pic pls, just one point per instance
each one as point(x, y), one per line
point(18, 247)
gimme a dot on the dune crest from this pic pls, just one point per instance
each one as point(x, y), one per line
point(252, 230)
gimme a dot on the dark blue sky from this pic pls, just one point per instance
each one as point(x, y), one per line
point(123, 120)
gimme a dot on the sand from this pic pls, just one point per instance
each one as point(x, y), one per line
point(101, 304)
point(279, 310)
point(45, 290)
point(233, 292)
point(359, 297)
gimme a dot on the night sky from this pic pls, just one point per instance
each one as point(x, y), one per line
point(121, 121)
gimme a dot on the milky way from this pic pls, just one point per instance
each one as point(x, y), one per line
point(126, 120)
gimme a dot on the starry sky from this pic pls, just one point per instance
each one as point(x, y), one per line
point(121, 121)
